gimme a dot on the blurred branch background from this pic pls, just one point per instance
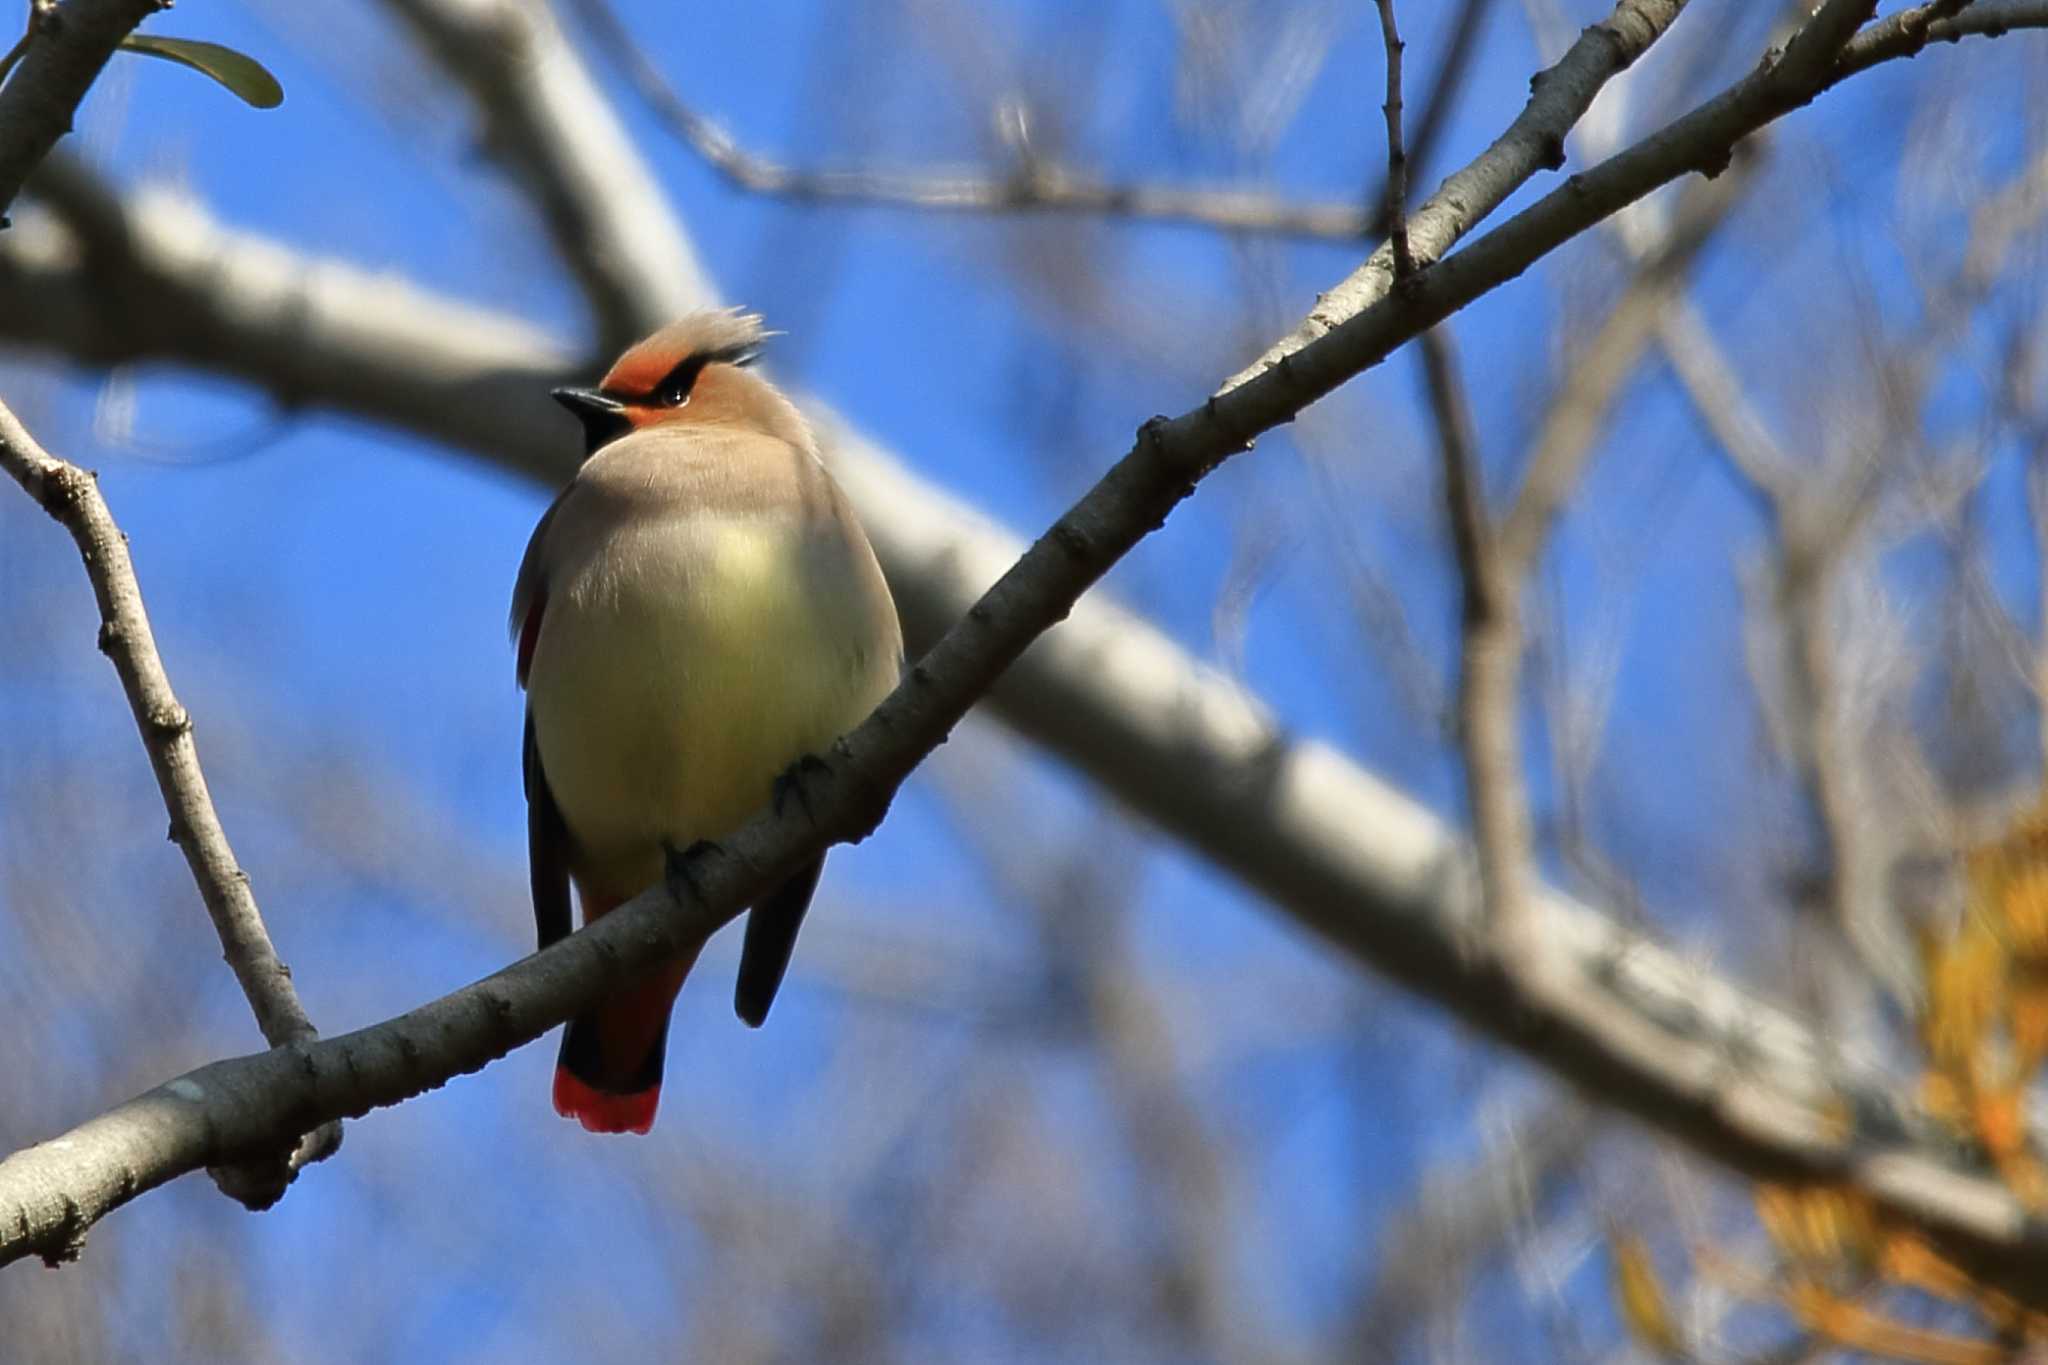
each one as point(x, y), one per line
point(1045, 1083)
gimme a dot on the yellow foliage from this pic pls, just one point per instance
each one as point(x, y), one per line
point(2009, 878)
point(1965, 989)
point(1819, 1223)
point(2027, 1015)
point(1850, 1324)
point(1640, 1295)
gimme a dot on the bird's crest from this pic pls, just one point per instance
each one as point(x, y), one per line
point(726, 336)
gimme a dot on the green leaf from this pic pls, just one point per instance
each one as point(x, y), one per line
point(238, 71)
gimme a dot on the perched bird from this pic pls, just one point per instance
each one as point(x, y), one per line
point(698, 611)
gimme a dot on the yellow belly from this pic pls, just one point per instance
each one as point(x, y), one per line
point(668, 697)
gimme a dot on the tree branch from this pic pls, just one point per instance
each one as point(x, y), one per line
point(1444, 90)
point(1460, 1219)
point(1489, 656)
point(65, 52)
point(72, 497)
point(1494, 564)
point(1377, 875)
point(1395, 210)
point(1558, 98)
point(217, 1113)
point(555, 131)
point(1905, 33)
point(1034, 184)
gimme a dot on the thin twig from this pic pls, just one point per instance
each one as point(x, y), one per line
point(1571, 427)
point(1459, 1221)
point(1034, 185)
point(1558, 98)
point(71, 496)
point(2037, 516)
point(1817, 517)
point(1396, 211)
point(1907, 32)
point(1490, 642)
point(1445, 88)
point(1494, 565)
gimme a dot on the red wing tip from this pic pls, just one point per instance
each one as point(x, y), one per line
point(600, 1111)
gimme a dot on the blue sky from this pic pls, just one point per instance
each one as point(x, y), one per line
point(330, 600)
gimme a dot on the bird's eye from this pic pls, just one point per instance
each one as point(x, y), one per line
point(674, 389)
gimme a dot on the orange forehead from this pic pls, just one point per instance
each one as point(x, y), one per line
point(645, 364)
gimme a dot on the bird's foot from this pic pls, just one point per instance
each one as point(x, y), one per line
point(794, 784)
point(682, 864)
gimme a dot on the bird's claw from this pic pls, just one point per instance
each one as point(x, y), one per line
point(682, 865)
point(793, 783)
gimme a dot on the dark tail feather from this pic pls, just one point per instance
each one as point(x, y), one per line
point(547, 847)
point(771, 938)
point(608, 1076)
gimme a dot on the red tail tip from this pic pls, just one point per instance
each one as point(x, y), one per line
point(601, 1112)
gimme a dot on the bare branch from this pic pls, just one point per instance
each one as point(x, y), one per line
point(556, 132)
point(71, 496)
point(1905, 33)
point(1448, 84)
point(1558, 98)
point(38, 12)
point(1373, 872)
point(1819, 41)
point(1815, 522)
point(1817, 517)
point(1395, 214)
point(1034, 185)
point(60, 64)
point(486, 1020)
point(1761, 461)
point(1459, 1220)
point(1442, 99)
point(1571, 427)
point(1494, 569)
point(1490, 644)
point(1701, 140)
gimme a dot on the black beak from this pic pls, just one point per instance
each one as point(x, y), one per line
point(603, 416)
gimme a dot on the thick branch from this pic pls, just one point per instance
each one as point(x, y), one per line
point(550, 125)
